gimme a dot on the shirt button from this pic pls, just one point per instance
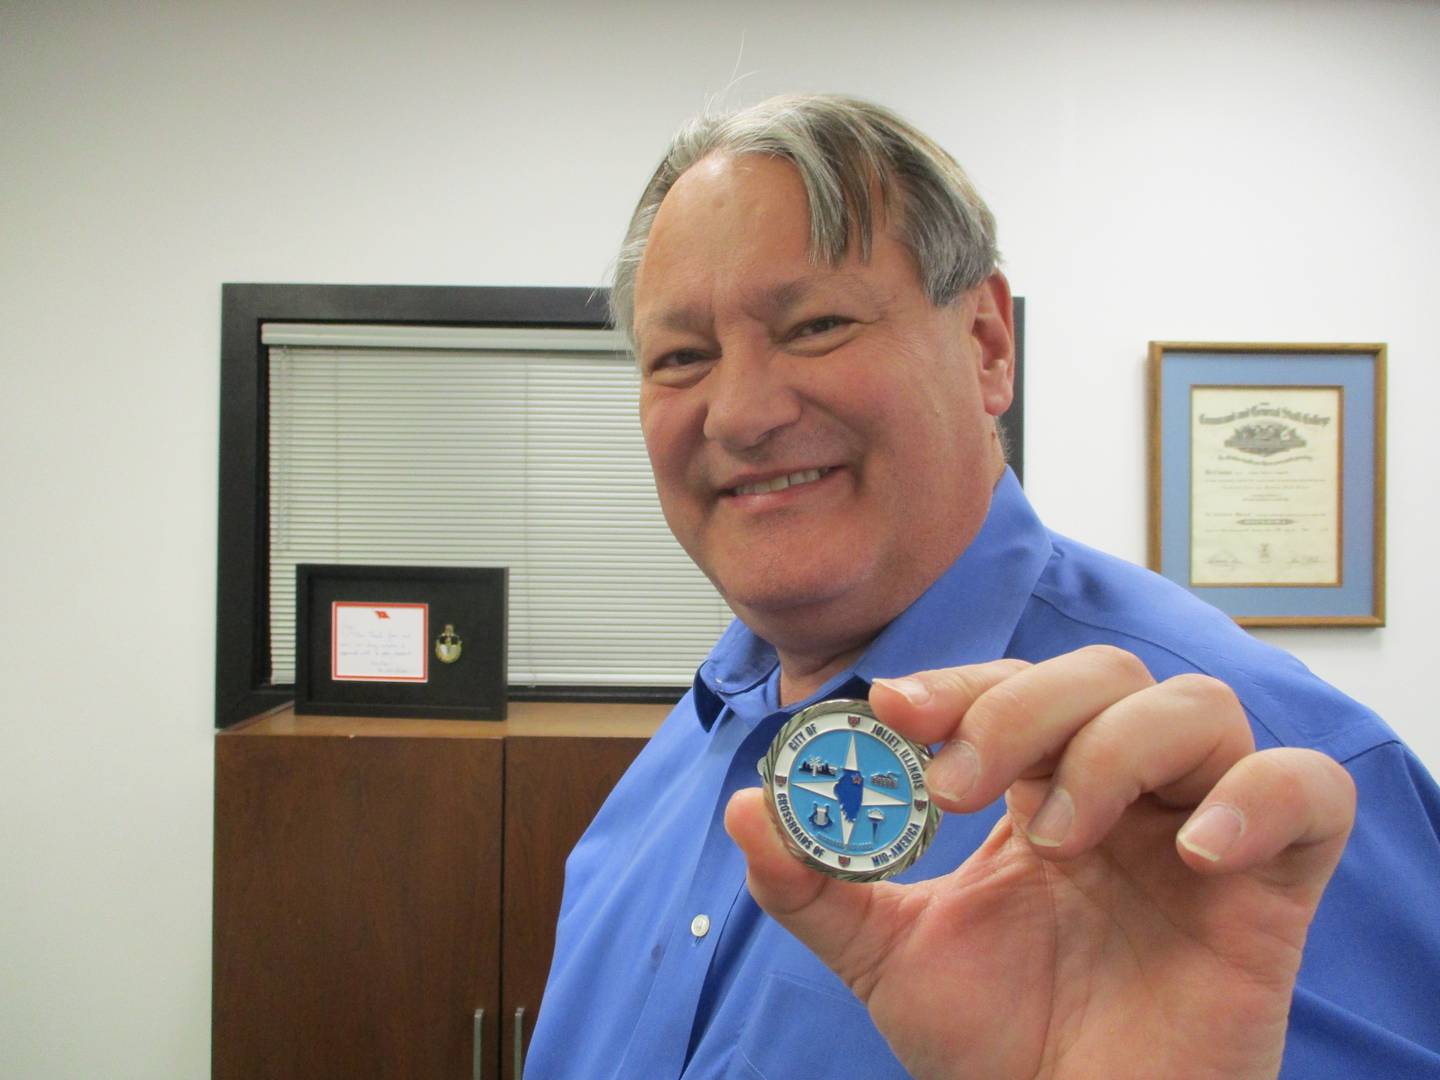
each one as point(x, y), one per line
point(700, 925)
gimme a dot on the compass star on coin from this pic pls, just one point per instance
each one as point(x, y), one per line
point(850, 811)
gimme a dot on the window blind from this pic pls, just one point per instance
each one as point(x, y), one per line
point(443, 446)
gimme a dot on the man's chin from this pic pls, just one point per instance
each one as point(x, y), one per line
point(790, 604)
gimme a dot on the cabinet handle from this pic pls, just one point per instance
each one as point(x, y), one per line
point(477, 1047)
point(519, 1042)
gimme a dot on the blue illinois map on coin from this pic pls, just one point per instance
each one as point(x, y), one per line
point(850, 792)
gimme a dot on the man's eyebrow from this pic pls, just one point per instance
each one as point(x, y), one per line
point(780, 298)
point(688, 318)
point(770, 302)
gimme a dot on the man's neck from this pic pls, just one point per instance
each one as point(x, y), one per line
point(801, 676)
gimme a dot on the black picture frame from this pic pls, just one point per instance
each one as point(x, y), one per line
point(1012, 421)
point(242, 644)
point(242, 638)
point(471, 600)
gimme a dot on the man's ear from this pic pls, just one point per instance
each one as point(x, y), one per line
point(993, 332)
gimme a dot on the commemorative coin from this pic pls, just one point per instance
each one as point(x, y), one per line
point(848, 792)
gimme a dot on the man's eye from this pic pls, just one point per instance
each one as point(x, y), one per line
point(821, 325)
point(677, 359)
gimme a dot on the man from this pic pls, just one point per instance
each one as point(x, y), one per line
point(824, 344)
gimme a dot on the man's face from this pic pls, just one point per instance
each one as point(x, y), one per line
point(822, 438)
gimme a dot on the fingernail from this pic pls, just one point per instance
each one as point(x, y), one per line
point(953, 772)
point(1213, 832)
point(910, 688)
point(1052, 821)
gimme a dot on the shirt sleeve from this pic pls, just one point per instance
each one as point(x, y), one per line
point(1366, 1002)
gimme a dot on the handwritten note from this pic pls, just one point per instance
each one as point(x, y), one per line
point(379, 642)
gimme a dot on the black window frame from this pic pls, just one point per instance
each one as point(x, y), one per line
point(242, 650)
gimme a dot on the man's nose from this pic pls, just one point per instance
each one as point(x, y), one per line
point(750, 397)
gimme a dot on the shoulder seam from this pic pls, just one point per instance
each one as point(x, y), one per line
point(1381, 745)
point(1255, 718)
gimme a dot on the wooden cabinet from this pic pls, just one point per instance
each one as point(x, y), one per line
point(377, 882)
point(552, 790)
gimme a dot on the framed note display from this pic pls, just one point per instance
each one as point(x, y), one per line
point(379, 642)
point(1267, 479)
point(403, 641)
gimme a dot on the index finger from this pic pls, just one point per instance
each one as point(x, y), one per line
point(1018, 726)
point(929, 705)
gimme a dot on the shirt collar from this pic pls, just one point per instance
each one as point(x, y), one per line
point(967, 616)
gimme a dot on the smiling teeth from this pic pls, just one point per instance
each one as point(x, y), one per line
point(780, 483)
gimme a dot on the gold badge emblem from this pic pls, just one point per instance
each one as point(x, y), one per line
point(448, 645)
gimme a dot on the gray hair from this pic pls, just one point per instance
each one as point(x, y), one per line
point(844, 150)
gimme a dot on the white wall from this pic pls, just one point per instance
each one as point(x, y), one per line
point(1187, 171)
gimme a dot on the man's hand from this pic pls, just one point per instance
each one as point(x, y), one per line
point(1085, 938)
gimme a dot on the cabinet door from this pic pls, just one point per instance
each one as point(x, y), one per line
point(553, 788)
point(357, 906)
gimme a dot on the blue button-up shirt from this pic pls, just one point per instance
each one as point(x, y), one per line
point(641, 987)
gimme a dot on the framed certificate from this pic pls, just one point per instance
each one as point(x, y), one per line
point(1267, 479)
point(404, 641)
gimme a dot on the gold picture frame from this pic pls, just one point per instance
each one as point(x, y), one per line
point(1267, 478)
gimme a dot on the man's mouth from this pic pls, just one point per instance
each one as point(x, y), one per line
point(780, 483)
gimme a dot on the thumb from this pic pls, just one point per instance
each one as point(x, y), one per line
point(827, 915)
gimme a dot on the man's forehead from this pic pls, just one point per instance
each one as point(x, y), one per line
point(735, 231)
